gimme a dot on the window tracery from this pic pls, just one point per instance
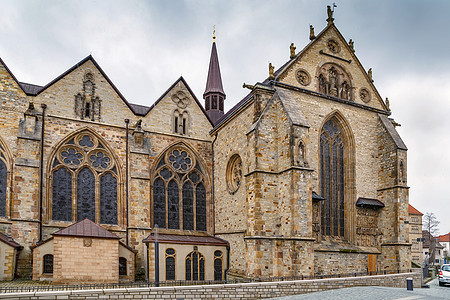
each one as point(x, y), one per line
point(180, 122)
point(195, 266)
point(179, 183)
point(170, 264)
point(3, 183)
point(80, 166)
point(332, 179)
point(218, 265)
point(333, 80)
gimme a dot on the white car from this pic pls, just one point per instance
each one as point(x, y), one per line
point(444, 275)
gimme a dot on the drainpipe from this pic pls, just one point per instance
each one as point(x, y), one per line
point(212, 196)
point(41, 170)
point(127, 121)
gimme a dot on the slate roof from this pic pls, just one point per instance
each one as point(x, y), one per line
point(317, 197)
point(86, 228)
point(292, 107)
point(29, 88)
point(368, 202)
point(9, 240)
point(413, 211)
point(186, 239)
point(392, 132)
point(214, 80)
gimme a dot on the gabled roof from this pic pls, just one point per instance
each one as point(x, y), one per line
point(444, 237)
point(9, 241)
point(86, 228)
point(186, 239)
point(392, 132)
point(12, 75)
point(214, 80)
point(413, 211)
point(291, 107)
point(190, 91)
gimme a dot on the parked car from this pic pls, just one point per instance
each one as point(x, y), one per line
point(444, 275)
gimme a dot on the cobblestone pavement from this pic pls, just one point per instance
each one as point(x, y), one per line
point(378, 293)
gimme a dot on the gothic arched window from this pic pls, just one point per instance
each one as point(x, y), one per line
point(179, 183)
point(218, 265)
point(47, 264)
point(3, 182)
point(80, 167)
point(332, 179)
point(195, 266)
point(170, 264)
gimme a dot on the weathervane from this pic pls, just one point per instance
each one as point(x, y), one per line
point(214, 33)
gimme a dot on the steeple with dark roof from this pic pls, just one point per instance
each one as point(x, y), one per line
point(214, 95)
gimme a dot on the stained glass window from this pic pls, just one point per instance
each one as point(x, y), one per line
point(201, 207)
point(332, 180)
point(48, 264)
point(173, 205)
point(122, 266)
point(108, 199)
point(179, 184)
point(170, 264)
point(3, 180)
point(218, 265)
point(62, 195)
point(188, 207)
point(195, 266)
point(159, 203)
point(82, 165)
point(86, 195)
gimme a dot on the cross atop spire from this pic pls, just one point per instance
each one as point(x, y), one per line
point(214, 94)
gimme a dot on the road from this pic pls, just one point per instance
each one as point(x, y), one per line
point(378, 293)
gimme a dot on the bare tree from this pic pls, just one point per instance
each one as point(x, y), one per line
point(431, 223)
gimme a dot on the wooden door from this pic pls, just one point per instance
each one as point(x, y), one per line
point(372, 264)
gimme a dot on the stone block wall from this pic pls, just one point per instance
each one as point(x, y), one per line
point(243, 291)
point(85, 260)
point(7, 261)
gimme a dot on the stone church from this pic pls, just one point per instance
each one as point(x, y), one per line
point(304, 176)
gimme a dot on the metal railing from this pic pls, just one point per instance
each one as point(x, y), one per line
point(20, 286)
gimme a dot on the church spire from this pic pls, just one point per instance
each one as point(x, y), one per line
point(214, 95)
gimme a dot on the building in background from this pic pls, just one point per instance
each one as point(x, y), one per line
point(444, 240)
point(415, 235)
point(306, 175)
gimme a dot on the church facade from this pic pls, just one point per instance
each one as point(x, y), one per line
point(306, 175)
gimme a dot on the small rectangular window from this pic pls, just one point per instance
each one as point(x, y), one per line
point(176, 124)
point(48, 264)
point(122, 266)
point(87, 110)
point(214, 102)
point(184, 125)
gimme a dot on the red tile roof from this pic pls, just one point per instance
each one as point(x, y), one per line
point(9, 240)
point(413, 211)
point(86, 228)
point(186, 239)
point(444, 237)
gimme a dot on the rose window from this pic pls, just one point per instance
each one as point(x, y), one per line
point(71, 156)
point(234, 173)
point(180, 160)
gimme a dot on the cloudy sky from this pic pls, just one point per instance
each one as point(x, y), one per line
point(144, 46)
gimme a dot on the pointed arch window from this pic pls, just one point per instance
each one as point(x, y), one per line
point(3, 182)
point(332, 179)
point(80, 167)
point(179, 192)
point(195, 266)
point(170, 264)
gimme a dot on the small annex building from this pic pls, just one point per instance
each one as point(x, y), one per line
point(187, 257)
point(9, 251)
point(83, 252)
